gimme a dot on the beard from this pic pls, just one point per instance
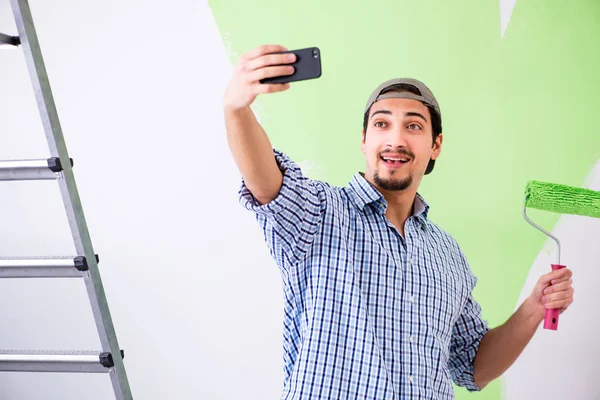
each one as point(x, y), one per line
point(392, 184)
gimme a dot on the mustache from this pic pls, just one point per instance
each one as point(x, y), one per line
point(404, 152)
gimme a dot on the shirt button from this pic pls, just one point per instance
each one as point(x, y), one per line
point(411, 262)
point(410, 339)
point(412, 299)
point(410, 378)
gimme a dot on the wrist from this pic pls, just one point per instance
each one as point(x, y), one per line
point(235, 111)
point(533, 310)
point(234, 107)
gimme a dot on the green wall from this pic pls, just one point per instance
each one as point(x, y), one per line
point(515, 108)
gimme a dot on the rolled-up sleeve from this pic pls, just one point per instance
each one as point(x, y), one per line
point(290, 221)
point(467, 333)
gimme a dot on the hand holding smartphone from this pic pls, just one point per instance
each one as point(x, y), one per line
point(306, 66)
point(269, 69)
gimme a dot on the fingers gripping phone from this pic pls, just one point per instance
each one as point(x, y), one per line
point(306, 66)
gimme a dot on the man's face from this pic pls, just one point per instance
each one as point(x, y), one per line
point(399, 143)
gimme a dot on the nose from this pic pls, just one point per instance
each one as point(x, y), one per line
point(396, 138)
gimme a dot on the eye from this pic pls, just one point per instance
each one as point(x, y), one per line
point(380, 124)
point(414, 126)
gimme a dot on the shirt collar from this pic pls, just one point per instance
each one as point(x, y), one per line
point(421, 209)
point(363, 193)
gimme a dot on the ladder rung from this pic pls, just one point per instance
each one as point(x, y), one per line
point(44, 267)
point(55, 361)
point(10, 40)
point(22, 170)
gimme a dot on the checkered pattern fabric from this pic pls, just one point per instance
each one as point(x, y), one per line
point(368, 314)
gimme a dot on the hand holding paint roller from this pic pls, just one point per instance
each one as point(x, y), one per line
point(565, 200)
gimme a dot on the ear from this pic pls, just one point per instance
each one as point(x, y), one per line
point(437, 146)
point(363, 145)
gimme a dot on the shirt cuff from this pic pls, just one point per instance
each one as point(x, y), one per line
point(468, 375)
point(291, 176)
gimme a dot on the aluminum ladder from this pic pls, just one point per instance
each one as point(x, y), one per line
point(82, 265)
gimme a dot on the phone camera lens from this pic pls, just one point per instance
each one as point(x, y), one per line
point(315, 54)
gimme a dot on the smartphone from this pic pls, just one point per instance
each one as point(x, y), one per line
point(306, 66)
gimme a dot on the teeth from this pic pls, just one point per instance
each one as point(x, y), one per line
point(395, 159)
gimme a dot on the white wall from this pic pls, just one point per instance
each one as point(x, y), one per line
point(195, 296)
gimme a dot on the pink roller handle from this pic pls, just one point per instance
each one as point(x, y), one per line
point(551, 317)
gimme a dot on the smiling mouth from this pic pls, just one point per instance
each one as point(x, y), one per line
point(395, 160)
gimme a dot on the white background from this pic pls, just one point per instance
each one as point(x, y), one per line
point(195, 296)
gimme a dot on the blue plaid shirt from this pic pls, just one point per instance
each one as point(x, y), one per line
point(369, 314)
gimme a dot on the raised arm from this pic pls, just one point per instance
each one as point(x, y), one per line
point(249, 144)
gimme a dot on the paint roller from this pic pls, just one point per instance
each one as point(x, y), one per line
point(560, 199)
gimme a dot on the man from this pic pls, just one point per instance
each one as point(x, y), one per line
point(378, 301)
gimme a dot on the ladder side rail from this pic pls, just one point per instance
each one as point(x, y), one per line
point(69, 192)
